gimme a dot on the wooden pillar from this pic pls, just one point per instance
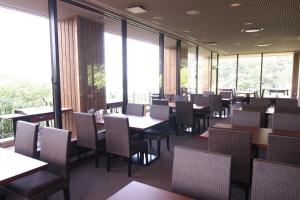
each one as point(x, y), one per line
point(295, 82)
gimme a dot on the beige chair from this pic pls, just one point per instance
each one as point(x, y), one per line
point(237, 144)
point(287, 102)
point(201, 175)
point(284, 149)
point(55, 144)
point(135, 109)
point(286, 121)
point(275, 181)
point(87, 135)
point(26, 138)
point(119, 142)
point(159, 132)
point(246, 118)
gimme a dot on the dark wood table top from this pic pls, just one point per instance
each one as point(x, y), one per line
point(270, 110)
point(139, 191)
point(259, 135)
point(195, 106)
point(14, 166)
point(135, 122)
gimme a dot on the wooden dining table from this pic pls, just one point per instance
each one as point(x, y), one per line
point(259, 135)
point(14, 166)
point(195, 106)
point(139, 191)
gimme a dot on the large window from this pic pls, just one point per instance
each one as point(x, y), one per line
point(143, 65)
point(227, 72)
point(25, 66)
point(214, 72)
point(277, 74)
point(203, 70)
point(249, 73)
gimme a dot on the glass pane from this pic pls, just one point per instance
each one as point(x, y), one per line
point(170, 67)
point(227, 72)
point(25, 64)
point(214, 72)
point(188, 69)
point(249, 72)
point(203, 70)
point(277, 74)
point(143, 65)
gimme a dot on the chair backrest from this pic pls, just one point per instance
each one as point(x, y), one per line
point(284, 149)
point(246, 118)
point(207, 93)
point(160, 112)
point(160, 102)
point(259, 102)
point(287, 109)
point(215, 102)
point(202, 101)
point(275, 181)
point(194, 96)
point(254, 107)
point(286, 121)
point(236, 143)
point(55, 150)
point(287, 102)
point(181, 98)
point(135, 109)
point(184, 113)
point(200, 174)
point(86, 130)
point(226, 94)
point(117, 135)
point(91, 111)
point(26, 138)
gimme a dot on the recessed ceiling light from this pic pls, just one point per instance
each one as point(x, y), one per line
point(234, 5)
point(262, 44)
point(157, 18)
point(252, 30)
point(192, 12)
point(186, 31)
point(136, 9)
point(211, 43)
point(248, 23)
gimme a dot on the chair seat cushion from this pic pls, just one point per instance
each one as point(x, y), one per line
point(138, 146)
point(35, 183)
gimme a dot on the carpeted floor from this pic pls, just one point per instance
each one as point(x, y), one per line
point(91, 183)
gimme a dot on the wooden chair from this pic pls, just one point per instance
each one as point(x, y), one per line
point(237, 144)
point(119, 142)
point(275, 181)
point(55, 144)
point(26, 138)
point(201, 175)
point(87, 135)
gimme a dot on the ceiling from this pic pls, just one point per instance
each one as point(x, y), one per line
point(218, 22)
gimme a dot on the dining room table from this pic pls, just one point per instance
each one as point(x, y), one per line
point(195, 106)
point(259, 135)
point(137, 191)
point(14, 166)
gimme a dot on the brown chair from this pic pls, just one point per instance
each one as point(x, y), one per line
point(260, 102)
point(185, 116)
point(119, 142)
point(55, 145)
point(215, 104)
point(226, 94)
point(258, 108)
point(181, 98)
point(286, 121)
point(236, 143)
point(284, 149)
point(160, 102)
point(205, 114)
point(287, 109)
point(246, 118)
point(207, 93)
point(201, 175)
point(287, 102)
point(159, 132)
point(135, 109)
point(87, 135)
point(195, 96)
point(275, 181)
point(26, 138)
